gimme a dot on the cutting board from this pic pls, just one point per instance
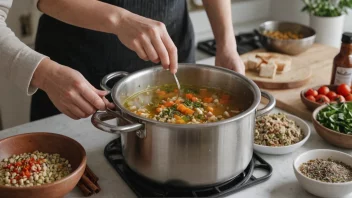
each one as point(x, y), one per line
point(319, 59)
point(298, 76)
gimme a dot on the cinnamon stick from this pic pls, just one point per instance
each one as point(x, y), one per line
point(91, 185)
point(99, 189)
point(91, 175)
point(86, 192)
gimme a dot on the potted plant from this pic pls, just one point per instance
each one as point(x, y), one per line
point(327, 18)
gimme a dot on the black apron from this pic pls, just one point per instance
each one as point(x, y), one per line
point(95, 54)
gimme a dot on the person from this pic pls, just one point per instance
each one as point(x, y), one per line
point(100, 37)
point(68, 90)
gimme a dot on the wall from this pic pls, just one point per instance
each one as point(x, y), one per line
point(289, 10)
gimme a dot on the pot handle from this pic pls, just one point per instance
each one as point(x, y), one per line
point(270, 106)
point(104, 81)
point(99, 117)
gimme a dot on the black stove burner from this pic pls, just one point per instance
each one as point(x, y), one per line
point(144, 187)
point(246, 42)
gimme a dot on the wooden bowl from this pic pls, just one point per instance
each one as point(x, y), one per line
point(333, 137)
point(313, 105)
point(48, 143)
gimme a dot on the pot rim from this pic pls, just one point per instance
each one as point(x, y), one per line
point(253, 106)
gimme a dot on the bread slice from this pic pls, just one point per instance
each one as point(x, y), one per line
point(268, 70)
point(283, 64)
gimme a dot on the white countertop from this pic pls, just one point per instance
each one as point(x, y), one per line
point(282, 183)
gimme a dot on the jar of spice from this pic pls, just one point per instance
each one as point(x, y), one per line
point(342, 68)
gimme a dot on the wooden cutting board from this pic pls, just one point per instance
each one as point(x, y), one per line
point(319, 59)
point(298, 75)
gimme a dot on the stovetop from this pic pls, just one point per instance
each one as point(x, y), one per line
point(144, 187)
point(246, 42)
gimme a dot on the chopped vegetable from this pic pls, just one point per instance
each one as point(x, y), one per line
point(195, 105)
point(337, 116)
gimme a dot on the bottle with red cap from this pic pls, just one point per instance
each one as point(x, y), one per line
point(342, 69)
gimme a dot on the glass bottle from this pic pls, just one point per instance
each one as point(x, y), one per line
point(342, 66)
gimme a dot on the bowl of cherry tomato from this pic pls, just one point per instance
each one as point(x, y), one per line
point(317, 96)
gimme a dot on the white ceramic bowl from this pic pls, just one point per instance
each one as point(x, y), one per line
point(280, 150)
point(318, 188)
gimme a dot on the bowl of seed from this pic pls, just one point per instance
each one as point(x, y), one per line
point(324, 172)
point(40, 165)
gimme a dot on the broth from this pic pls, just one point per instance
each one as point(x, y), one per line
point(195, 105)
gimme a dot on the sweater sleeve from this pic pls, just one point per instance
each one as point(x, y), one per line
point(17, 61)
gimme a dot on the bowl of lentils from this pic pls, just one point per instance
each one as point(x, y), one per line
point(324, 172)
point(279, 133)
point(40, 165)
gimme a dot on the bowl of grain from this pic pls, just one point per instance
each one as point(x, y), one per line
point(40, 165)
point(279, 133)
point(324, 172)
point(286, 37)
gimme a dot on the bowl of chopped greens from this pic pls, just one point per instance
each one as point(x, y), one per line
point(324, 172)
point(279, 133)
point(333, 122)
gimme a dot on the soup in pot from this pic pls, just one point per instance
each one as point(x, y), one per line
point(194, 106)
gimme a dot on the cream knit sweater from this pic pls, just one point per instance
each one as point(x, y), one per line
point(17, 61)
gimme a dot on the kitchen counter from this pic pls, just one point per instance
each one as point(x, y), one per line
point(282, 183)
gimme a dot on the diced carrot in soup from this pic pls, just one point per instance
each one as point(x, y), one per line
point(189, 96)
point(169, 104)
point(208, 100)
point(177, 117)
point(194, 99)
point(189, 111)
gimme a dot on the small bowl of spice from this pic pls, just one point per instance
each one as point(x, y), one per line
point(324, 172)
point(279, 133)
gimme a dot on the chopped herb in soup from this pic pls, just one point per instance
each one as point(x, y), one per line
point(195, 105)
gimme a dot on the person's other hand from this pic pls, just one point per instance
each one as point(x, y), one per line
point(230, 59)
point(69, 91)
point(148, 38)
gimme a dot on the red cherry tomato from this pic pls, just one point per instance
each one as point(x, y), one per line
point(311, 92)
point(323, 90)
point(349, 97)
point(322, 99)
point(339, 98)
point(331, 95)
point(344, 90)
point(311, 98)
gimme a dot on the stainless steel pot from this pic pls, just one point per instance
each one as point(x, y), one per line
point(190, 154)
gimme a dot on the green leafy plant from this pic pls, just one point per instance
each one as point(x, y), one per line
point(337, 117)
point(327, 8)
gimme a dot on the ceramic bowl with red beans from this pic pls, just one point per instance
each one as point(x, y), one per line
point(316, 96)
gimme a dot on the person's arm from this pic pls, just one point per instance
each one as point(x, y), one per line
point(17, 61)
point(219, 14)
point(29, 70)
point(148, 38)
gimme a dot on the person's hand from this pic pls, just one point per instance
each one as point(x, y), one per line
point(69, 91)
point(148, 38)
point(230, 59)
